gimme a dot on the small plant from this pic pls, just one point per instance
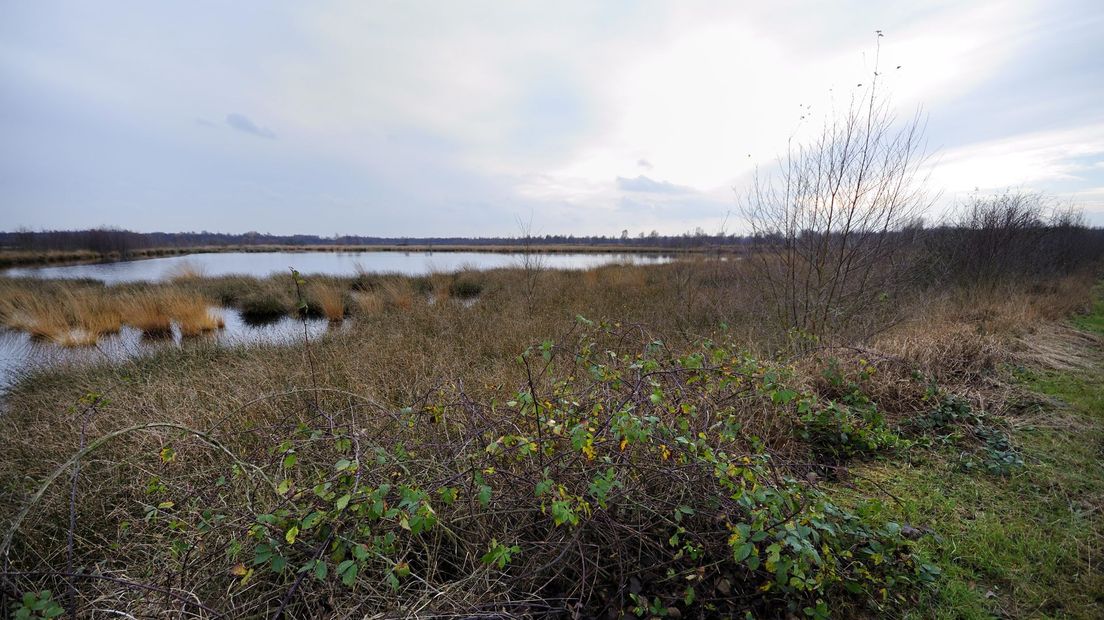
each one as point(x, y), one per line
point(499, 554)
point(36, 605)
point(996, 456)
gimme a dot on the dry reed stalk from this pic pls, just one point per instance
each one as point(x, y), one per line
point(331, 301)
point(370, 303)
point(400, 294)
point(192, 314)
point(147, 312)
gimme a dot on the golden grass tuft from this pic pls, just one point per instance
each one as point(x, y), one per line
point(331, 301)
point(185, 271)
point(147, 312)
point(93, 312)
point(399, 294)
point(370, 303)
point(192, 314)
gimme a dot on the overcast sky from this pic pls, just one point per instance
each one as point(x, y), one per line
point(460, 118)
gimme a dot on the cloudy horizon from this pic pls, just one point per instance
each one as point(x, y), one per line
point(440, 119)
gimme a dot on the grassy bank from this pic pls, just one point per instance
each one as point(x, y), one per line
point(625, 440)
point(1022, 538)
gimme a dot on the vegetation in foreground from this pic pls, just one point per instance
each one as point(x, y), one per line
point(649, 466)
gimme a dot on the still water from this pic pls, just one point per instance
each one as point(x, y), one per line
point(324, 263)
point(19, 353)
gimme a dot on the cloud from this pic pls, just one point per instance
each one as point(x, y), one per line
point(591, 115)
point(1047, 158)
point(242, 123)
point(649, 185)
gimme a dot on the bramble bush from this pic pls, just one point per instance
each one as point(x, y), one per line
point(620, 476)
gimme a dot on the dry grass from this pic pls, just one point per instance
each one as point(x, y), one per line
point(330, 299)
point(185, 271)
point(192, 314)
point(368, 303)
point(148, 312)
point(68, 317)
point(400, 351)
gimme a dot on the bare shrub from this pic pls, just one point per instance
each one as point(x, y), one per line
point(832, 216)
point(1012, 235)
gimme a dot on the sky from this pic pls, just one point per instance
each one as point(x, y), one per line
point(410, 119)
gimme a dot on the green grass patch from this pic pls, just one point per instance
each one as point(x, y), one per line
point(1026, 545)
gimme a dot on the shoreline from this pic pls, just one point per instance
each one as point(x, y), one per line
point(20, 258)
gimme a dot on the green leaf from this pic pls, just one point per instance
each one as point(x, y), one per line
point(742, 552)
point(360, 552)
point(312, 519)
point(348, 572)
point(343, 501)
point(448, 495)
point(402, 569)
point(278, 563)
point(320, 570)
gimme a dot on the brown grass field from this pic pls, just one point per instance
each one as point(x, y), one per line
point(406, 454)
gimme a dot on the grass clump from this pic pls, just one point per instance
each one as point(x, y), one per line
point(327, 300)
point(465, 286)
point(148, 313)
point(193, 315)
point(261, 308)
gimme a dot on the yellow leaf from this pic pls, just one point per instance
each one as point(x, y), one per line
point(291, 534)
point(239, 570)
point(588, 449)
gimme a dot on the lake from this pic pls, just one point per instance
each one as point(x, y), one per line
point(19, 353)
point(262, 264)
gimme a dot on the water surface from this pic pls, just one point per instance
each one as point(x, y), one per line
point(263, 264)
point(19, 353)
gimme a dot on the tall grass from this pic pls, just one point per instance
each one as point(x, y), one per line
point(434, 398)
point(330, 299)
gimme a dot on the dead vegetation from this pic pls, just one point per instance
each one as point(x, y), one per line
point(431, 395)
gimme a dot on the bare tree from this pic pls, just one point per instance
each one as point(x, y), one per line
point(532, 263)
point(831, 214)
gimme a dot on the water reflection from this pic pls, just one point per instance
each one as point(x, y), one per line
point(263, 264)
point(19, 353)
